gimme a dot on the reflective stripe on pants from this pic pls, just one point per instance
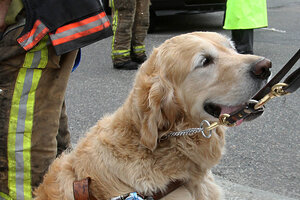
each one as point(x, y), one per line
point(21, 121)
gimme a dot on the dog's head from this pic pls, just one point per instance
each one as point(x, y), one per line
point(192, 77)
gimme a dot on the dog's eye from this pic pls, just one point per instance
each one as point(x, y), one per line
point(204, 61)
point(207, 60)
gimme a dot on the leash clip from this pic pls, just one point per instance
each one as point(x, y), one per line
point(223, 120)
point(276, 91)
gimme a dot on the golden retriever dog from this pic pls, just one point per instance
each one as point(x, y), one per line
point(187, 79)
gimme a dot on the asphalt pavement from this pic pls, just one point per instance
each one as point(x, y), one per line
point(262, 159)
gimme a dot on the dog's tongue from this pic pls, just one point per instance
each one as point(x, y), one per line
point(230, 109)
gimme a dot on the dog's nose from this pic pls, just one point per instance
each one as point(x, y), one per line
point(261, 69)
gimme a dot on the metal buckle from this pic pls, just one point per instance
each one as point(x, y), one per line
point(222, 121)
point(276, 91)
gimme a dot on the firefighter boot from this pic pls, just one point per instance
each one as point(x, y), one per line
point(126, 65)
point(139, 58)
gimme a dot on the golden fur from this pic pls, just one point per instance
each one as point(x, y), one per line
point(121, 153)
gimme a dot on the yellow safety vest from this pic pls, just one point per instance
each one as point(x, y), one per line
point(245, 14)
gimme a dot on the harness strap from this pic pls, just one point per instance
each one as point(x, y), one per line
point(81, 190)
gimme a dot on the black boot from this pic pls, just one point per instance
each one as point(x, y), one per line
point(139, 59)
point(243, 40)
point(127, 65)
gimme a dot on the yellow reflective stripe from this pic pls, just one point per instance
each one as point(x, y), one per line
point(21, 122)
point(11, 138)
point(27, 134)
point(139, 47)
point(120, 53)
point(38, 55)
point(28, 60)
point(6, 197)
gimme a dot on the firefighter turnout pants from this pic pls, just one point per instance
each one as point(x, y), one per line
point(130, 26)
point(33, 121)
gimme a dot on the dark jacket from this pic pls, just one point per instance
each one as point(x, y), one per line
point(71, 24)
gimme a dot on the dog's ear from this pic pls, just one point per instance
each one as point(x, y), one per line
point(152, 117)
point(160, 113)
point(156, 98)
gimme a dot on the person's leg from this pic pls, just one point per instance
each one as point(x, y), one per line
point(63, 137)
point(33, 85)
point(48, 113)
point(123, 16)
point(8, 76)
point(243, 40)
point(11, 60)
point(139, 31)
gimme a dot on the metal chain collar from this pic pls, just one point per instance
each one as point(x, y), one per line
point(204, 124)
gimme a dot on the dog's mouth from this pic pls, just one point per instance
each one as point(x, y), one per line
point(216, 110)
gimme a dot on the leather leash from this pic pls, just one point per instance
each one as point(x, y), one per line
point(81, 191)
